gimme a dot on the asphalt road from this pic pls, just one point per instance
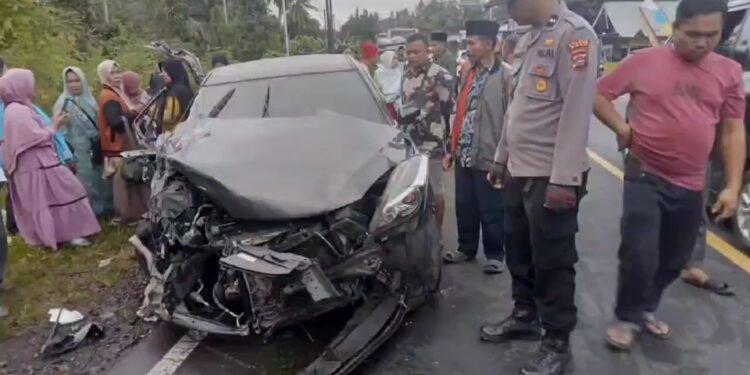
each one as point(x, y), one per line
point(711, 334)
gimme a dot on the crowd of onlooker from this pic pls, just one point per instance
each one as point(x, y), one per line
point(63, 169)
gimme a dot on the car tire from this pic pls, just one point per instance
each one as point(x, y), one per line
point(741, 219)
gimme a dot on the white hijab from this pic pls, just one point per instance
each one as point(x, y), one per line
point(388, 76)
point(104, 71)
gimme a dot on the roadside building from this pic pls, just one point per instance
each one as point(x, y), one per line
point(625, 26)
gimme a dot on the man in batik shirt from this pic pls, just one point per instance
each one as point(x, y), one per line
point(428, 87)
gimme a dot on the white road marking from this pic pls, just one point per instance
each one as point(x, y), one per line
point(171, 361)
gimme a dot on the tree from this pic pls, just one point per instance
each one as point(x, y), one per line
point(444, 15)
point(300, 20)
point(361, 26)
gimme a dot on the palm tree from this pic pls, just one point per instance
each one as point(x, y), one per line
point(298, 15)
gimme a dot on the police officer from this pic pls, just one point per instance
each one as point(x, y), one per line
point(541, 165)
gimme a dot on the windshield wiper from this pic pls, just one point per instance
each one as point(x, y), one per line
point(266, 107)
point(216, 110)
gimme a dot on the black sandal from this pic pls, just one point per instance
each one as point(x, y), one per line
point(718, 288)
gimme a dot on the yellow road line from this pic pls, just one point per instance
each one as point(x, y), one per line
point(717, 243)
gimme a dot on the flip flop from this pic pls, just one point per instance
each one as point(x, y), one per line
point(657, 328)
point(718, 288)
point(456, 256)
point(493, 267)
point(629, 331)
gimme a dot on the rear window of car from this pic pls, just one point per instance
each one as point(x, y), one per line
point(346, 93)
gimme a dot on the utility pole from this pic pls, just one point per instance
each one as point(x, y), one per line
point(330, 27)
point(106, 11)
point(226, 15)
point(286, 26)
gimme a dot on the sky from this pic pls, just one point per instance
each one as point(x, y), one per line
point(342, 9)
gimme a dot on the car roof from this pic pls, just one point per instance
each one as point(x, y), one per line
point(736, 5)
point(281, 67)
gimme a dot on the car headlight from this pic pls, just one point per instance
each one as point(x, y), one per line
point(403, 196)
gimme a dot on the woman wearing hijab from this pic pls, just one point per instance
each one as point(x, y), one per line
point(50, 203)
point(82, 132)
point(388, 77)
point(115, 114)
point(64, 154)
point(131, 87)
point(179, 97)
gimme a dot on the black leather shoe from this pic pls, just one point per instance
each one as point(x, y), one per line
point(552, 358)
point(515, 327)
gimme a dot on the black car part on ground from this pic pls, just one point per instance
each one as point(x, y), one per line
point(282, 230)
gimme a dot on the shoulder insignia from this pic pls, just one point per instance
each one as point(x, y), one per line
point(579, 53)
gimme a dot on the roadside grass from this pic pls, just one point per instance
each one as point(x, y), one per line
point(71, 278)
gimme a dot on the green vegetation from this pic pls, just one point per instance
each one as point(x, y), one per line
point(48, 35)
point(70, 278)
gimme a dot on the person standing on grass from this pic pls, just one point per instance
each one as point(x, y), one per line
point(679, 94)
point(480, 115)
point(82, 132)
point(116, 113)
point(50, 204)
point(3, 233)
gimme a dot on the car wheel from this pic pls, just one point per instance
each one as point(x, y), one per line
point(741, 220)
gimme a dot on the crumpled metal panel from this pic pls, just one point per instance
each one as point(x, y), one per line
point(286, 168)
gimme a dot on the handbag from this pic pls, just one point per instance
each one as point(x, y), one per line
point(135, 169)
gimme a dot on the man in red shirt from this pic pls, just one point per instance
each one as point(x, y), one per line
point(679, 95)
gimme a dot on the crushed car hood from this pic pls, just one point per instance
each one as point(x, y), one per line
point(287, 168)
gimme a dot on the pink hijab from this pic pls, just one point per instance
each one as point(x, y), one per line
point(131, 86)
point(24, 129)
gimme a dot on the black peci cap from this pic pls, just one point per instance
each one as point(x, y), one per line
point(439, 37)
point(482, 28)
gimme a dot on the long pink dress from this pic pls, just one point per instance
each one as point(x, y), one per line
point(49, 202)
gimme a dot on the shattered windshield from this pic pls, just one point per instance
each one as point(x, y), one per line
point(341, 92)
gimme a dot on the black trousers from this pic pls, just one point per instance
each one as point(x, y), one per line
point(541, 254)
point(660, 224)
point(478, 206)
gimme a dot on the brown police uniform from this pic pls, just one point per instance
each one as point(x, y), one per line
point(544, 150)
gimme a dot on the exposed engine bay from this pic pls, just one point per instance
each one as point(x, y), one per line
point(269, 266)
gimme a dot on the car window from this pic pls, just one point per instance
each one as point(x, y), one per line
point(346, 93)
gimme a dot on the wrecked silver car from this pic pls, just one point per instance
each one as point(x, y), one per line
point(256, 224)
